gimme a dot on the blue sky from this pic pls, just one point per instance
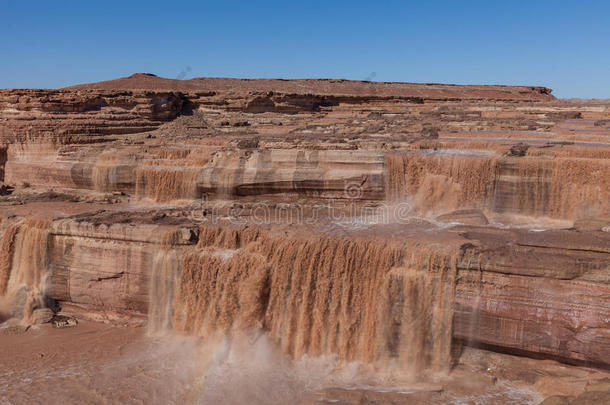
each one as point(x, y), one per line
point(564, 45)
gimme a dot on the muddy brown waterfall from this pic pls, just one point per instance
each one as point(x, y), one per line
point(23, 277)
point(375, 301)
point(557, 188)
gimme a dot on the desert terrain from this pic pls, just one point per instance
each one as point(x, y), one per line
point(275, 241)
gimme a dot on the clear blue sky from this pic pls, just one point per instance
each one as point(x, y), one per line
point(561, 44)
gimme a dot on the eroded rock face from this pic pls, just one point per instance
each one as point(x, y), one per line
point(325, 87)
point(542, 293)
point(500, 245)
point(74, 117)
point(592, 224)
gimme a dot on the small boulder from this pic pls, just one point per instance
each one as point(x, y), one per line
point(518, 150)
point(430, 132)
point(6, 189)
point(466, 217)
point(42, 315)
point(592, 224)
point(250, 143)
point(63, 321)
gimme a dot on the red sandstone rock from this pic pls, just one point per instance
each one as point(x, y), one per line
point(467, 217)
point(444, 150)
point(324, 87)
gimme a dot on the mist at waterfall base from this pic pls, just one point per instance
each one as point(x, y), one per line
point(96, 363)
point(281, 318)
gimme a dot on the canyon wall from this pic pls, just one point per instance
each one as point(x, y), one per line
point(504, 242)
point(363, 298)
point(129, 139)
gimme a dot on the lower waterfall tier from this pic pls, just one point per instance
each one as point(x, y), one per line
point(387, 295)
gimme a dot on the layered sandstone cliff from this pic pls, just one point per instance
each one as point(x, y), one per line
point(141, 199)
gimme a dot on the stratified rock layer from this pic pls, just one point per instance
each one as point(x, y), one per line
point(482, 208)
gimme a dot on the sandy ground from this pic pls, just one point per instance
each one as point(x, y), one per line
point(95, 363)
point(91, 364)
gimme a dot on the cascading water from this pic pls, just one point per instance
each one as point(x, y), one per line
point(566, 188)
point(560, 188)
point(7, 244)
point(440, 182)
point(164, 184)
point(23, 268)
point(166, 269)
point(165, 272)
point(370, 301)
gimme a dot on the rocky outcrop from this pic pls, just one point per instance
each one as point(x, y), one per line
point(467, 217)
point(325, 87)
point(537, 292)
point(592, 224)
point(75, 117)
point(105, 270)
point(103, 111)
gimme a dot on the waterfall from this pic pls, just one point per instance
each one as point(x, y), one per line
point(164, 184)
point(23, 269)
point(567, 188)
point(365, 300)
